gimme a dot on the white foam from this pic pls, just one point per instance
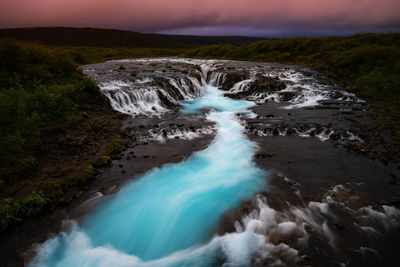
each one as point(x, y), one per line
point(161, 135)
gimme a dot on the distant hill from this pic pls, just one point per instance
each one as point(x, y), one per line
point(210, 40)
point(90, 37)
point(118, 38)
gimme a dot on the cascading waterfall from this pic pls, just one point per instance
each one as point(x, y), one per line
point(143, 96)
point(168, 216)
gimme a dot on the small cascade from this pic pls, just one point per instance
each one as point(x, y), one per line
point(150, 97)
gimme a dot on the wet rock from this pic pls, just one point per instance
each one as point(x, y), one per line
point(265, 155)
point(231, 78)
point(261, 84)
point(334, 136)
point(290, 131)
point(287, 96)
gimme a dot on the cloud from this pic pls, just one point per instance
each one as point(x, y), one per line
point(177, 15)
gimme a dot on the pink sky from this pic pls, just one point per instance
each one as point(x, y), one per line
point(207, 16)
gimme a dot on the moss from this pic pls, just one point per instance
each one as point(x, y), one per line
point(103, 161)
point(86, 177)
point(116, 146)
point(196, 75)
point(53, 190)
point(153, 65)
point(134, 73)
point(121, 67)
point(232, 78)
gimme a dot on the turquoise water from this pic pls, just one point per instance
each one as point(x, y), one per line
point(168, 216)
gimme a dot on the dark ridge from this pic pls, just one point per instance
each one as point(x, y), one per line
point(210, 40)
point(89, 37)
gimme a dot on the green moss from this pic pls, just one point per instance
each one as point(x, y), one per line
point(86, 177)
point(134, 73)
point(52, 190)
point(121, 67)
point(196, 75)
point(232, 78)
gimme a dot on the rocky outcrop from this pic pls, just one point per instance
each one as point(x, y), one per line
point(231, 78)
point(260, 84)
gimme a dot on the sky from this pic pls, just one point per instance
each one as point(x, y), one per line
point(273, 18)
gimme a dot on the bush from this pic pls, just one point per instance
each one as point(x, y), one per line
point(33, 204)
point(12, 211)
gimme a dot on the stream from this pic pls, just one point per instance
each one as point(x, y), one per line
point(167, 217)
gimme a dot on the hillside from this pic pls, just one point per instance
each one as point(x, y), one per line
point(210, 40)
point(89, 37)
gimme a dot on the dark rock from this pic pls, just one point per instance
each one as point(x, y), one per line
point(264, 155)
point(261, 84)
point(334, 136)
point(287, 96)
point(232, 78)
point(275, 132)
point(290, 131)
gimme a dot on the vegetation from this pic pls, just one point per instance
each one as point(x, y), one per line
point(367, 64)
point(196, 75)
point(45, 100)
point(38, 88)
point(12, 211)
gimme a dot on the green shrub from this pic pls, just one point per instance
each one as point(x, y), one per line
point(12, 211)
point(33, 204)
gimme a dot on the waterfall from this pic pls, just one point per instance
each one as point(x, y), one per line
point(149, 97)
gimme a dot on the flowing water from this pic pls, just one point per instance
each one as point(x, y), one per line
point(168, 216)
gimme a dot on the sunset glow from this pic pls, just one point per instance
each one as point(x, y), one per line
point(250, 17)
